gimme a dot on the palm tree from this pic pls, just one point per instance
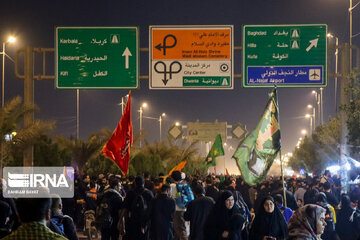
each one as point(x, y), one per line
point(84, 151)
point(11, 121)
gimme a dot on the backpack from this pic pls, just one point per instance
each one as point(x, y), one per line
point(58, 222)
point(138, 208)
point(103, 217)
point(329, 218)
point(184, 195)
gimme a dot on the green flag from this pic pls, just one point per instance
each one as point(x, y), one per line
point(215, 151)
point(256, 153)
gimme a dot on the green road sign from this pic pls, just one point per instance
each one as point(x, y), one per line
point(97, 57)
point(285, 55)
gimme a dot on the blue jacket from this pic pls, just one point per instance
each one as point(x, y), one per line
point(287, 212)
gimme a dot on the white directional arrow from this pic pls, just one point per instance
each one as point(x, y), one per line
point(126, 53)
point(313, 43)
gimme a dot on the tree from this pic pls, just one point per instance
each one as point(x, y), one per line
point(46, 153)
point(11, 116)
point(320, 149)
point(84, 152)
point(101, 164)
point(161, 157)
point(352, 110)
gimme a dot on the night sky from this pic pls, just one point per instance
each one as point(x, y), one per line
point(34, 22)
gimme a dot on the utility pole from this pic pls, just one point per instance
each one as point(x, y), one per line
point(28, 154)
point(160, 120)
point(77, 114)
point(141, 112)
point(344, 99)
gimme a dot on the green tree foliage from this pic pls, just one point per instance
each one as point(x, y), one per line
point(11, 120)
point(161, 157)
point(101, 164)
point(46, 154)
point(320, 149)
point(352, 110)
point(84, 152)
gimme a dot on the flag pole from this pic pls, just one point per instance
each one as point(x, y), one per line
point(281, 160)
point(283, 179)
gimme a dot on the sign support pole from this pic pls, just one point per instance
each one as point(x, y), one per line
point(345, 72)
point(77, 113)
point(28, 154)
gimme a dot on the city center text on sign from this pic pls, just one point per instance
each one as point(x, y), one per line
point(191, 57)
point(285, 55)
point(97, 57)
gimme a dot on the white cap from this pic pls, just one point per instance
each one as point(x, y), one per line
point(183, 175)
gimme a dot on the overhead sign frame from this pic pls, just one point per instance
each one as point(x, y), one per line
point(191, 57)
point(96, 57)
point(285, 55)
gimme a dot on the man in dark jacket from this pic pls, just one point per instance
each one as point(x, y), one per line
point(197, 212)
point(309, 196)
point(112, 199)
point(332, 200)
point(290, 199)
point(64, 223)
point(135, 215)
point(162, 214)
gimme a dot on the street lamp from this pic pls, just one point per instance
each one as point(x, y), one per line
point(318, 101)
point(329, 35)
point(160, 120)
point(11, 39)
point(177, 123)
point(313, 115)
point(144, 105)
point(303, 132)
point(123, 103)
point(311, 122)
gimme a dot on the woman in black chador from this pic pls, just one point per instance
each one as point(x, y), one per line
point(226, 220)
point(269, 223)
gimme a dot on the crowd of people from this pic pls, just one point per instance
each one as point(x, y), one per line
point(189, 207)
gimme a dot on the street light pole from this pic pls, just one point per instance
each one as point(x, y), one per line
point(336, 70)
point(160, 126)
point(313, 115)
point(123, 103)
point(317, 102)
point(140, 111)
point(3, 76)
point(311, 122)
point(144, 105)
point(160, 120)
point(11, 39)
point(336, 67)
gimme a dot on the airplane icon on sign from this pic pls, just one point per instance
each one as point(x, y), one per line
point(314, 74)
